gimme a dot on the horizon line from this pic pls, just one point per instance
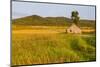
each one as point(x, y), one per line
point(49, 16)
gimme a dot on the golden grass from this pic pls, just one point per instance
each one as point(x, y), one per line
point(45, 29)
point(41, 45)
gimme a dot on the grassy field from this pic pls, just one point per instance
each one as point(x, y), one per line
point(50, 44)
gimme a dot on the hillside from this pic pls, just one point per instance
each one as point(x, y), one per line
point(50, 21)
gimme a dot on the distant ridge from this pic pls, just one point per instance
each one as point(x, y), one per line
point(49, 21)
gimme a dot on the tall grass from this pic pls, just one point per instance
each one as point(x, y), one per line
point(84, 49)
point(46, 48)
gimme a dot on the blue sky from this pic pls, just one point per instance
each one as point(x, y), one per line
point(22, 9)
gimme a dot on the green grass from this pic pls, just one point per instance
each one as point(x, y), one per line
point(51, 48)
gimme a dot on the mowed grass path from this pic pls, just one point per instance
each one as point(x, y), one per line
point(45, 45)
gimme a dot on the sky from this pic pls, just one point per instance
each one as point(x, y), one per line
point(22, 9)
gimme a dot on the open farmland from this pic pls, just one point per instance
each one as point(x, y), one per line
point(52, 33)
point(50, 44)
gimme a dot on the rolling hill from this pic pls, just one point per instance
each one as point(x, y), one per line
point(36, 20)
